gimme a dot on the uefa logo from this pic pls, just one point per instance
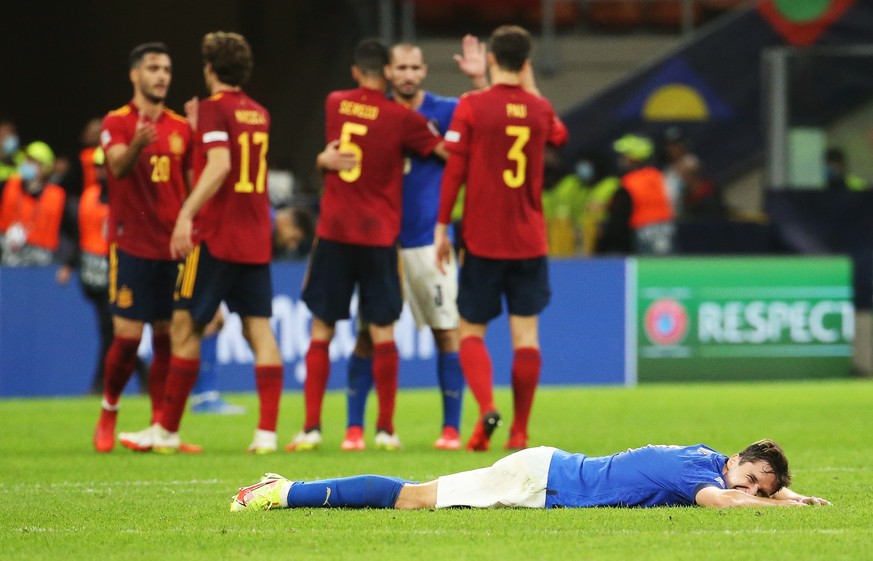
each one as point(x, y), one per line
point(666, 322)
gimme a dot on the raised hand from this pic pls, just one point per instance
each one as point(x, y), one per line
point(472, 61)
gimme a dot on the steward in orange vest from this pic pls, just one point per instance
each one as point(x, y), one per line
point(640, 216)
point(92, 255)
point(31, 210)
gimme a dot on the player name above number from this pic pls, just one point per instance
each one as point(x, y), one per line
point(517, 110)
point(369, 112)
point(250, 117)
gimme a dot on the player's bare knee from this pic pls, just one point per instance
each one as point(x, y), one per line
point(127, 328)
point(381, 333)
point(416, 496)
point(447, 340)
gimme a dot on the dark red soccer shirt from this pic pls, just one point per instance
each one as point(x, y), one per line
point(144, 205)
point(235, 223)
point(497, 141)
point(362, 206)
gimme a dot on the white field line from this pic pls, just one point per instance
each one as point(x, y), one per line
point(90, 486)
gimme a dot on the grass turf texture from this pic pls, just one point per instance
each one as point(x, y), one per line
point(61, 500)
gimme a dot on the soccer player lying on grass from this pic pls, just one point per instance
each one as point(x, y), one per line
point(550, 478)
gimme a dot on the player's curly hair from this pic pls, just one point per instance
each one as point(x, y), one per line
point(510, 45)
point(768, 451)
point(230, 56)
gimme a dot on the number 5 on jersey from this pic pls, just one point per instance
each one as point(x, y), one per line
point(346, 144)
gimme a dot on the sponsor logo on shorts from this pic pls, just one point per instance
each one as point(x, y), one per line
point(125, 297)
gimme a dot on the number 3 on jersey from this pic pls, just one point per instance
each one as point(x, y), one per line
point(245, 185)
point(346, 144)
point(515, 178)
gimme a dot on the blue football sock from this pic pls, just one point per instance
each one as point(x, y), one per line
point(362, 491)
point(360, 383)
point(207, 379)
point(451, 379)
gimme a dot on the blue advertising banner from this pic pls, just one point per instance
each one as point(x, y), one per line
point(49, 342)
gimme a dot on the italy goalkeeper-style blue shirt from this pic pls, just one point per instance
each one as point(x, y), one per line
point(422, 176)
point(641, 477)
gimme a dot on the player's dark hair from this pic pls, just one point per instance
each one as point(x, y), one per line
point(771, 453)
point(140, 51)
point(230, 56)
point(371, 56)
point(510, 45)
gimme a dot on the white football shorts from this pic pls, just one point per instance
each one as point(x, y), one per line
point(518, 480)
point(432, 296)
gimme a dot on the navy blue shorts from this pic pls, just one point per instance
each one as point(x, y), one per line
point(205, 281)
point(525, 282)
point(141, 289)
point(334, 270)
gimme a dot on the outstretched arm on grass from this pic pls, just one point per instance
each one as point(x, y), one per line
point(786, 493)
point(713, 497)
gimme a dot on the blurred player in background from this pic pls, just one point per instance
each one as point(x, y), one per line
point(147, 150)
point(432, 296)
point(357, 232)
point(497, 141)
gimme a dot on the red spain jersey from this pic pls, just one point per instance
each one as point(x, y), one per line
point(497, 142)
point(143, 206)
point(235, 223)
point(362, 206)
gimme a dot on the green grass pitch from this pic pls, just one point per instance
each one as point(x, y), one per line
point(62, 501)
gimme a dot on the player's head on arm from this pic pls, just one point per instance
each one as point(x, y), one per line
point(227, 59)
point(370, 64)
point(751, 478)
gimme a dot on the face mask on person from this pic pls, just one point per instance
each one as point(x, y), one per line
point(585, 171)
point(28, 171)
point(10, 145)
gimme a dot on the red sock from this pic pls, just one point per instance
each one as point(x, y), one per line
point(526, 365)
point(182, 377)
point(385, 369)
point(158, 373)
point(118, 366)
point(268, 380)
point(476, 364)
point(317, 373)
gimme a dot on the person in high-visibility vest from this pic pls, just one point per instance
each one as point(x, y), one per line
point(640, 214)
point(92, 261)
point(31, 210)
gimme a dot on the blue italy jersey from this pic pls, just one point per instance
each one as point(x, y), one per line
point(643, 477)
point(421, 182)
